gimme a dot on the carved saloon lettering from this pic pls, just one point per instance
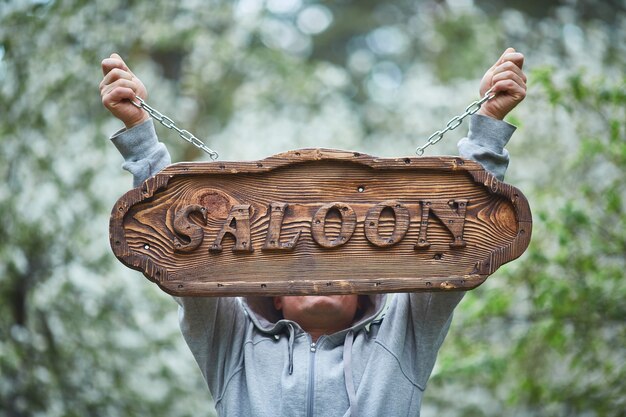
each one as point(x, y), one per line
point(451, 213)
point(348, 224)
point(452, 216)
point(191, 235)
point(372, 218)
point(237, 224)
point(272, 240)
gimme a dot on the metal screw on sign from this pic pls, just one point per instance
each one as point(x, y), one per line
point(169, 123)
point(455, 122)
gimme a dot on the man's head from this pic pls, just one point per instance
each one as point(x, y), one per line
point(319, 314)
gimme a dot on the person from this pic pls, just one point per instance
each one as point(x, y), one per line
point(339, 355)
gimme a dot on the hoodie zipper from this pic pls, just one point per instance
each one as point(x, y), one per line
point(310, 393)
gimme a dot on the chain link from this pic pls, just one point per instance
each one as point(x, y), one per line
point(455, 122)
point(169, 123)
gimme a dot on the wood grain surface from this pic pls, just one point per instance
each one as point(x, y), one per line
point(320, 221)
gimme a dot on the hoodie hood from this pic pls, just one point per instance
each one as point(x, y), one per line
point(271, 321)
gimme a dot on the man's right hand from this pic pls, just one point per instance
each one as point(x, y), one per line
point(118, 88)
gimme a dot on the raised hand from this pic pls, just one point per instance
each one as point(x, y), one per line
point(507, 79)
point(118, 88)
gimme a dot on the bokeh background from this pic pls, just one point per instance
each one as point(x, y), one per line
point(81, 335)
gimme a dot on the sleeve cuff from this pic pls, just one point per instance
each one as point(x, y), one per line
point(489, 133)
point(137, 142)
point(485, 144)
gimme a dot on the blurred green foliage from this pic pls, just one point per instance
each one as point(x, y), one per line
point(80, 335)
point(550, 339)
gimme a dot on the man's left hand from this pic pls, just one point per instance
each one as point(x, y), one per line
point(508, 81)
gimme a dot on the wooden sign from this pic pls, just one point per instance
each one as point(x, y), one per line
point(320, 221)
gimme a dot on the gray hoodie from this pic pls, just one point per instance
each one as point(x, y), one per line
point(256, 363)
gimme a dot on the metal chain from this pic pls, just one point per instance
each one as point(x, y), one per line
point(455, 122)
point(169, 123)
point(432, 139)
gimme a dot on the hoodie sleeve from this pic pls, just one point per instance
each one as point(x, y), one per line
point(143, 154)
point(214, 329)
point(485, 143)
point(210, 325)
point(429, 314)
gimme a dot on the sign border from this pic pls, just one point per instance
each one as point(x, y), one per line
point(159, 275)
